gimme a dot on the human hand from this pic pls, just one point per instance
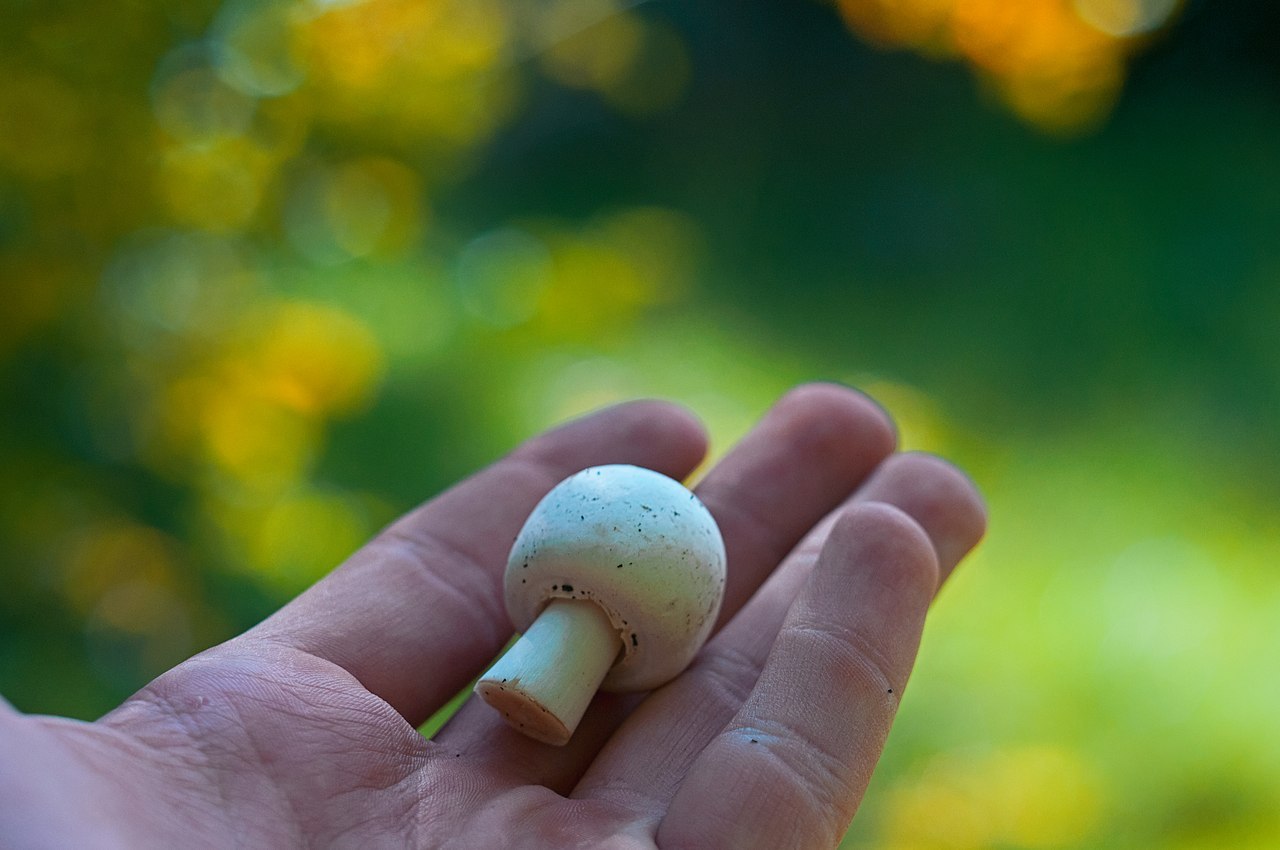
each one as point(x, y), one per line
point(302, 731)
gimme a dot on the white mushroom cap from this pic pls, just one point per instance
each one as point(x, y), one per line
point(639, 545)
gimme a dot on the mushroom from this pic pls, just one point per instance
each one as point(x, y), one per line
point(615, 581)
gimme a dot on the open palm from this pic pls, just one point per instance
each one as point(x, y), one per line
point(302, 732)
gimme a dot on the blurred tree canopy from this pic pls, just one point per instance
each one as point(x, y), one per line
point(275, 271)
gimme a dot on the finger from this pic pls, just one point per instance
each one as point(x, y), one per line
point(416, 613)
point(814, 448)
point(809, 452)
point(791, 767)
point(644, 763)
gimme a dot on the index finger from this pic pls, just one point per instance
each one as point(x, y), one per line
point(416, 613)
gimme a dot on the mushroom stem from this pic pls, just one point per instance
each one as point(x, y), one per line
point(542, 685)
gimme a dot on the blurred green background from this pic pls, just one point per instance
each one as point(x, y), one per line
point(275, 271)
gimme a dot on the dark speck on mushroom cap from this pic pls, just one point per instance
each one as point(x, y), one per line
point(584, 541)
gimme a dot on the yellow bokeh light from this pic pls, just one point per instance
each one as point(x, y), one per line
point(361, 208)
point(1017, 39)
point(379, 200)
point(260, 444)
point(290, 538)
point(357, 209)
point(115, 552)
point(316, 360)
point(138, 622)
point(141, 607)
point(255, 46)
point(501, 276)
point(252, 408)
point(659, 74)
point(584, 282)
point(413, 69)
point(186, 285)
point(215, 186)
point(1126, 18)
point(1065, 100)
point(191, 103)
point(595, 289)
point(1046, 796)
point(639, 67)
point(936, 816)
point(281, 126)
point(665, 245)
point(1033, 796)
point(599, 57)
point(1058, 64)
point(921, 425)
point(920, 24)
point(300, 537)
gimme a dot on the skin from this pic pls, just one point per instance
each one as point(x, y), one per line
point(302, 730)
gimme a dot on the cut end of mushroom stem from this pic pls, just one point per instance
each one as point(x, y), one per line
point(543, 684)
